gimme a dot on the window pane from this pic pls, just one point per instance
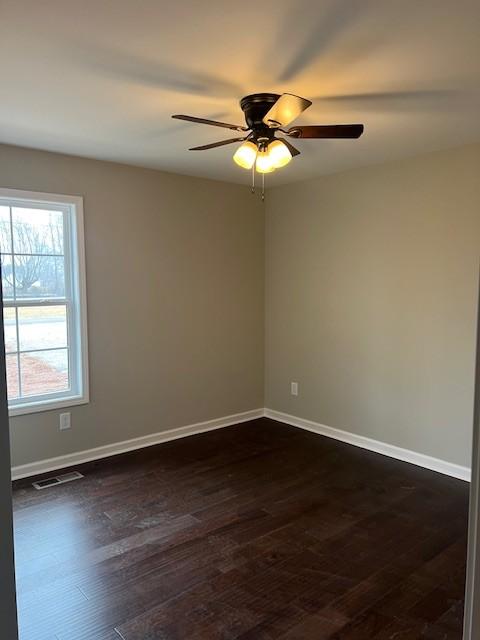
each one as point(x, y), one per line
point(39, 277)
point(44, 372)
point(42, 327)
point(10, 329)
point(37, 231)
point(12, 376)
point(7, 277)
point(43, 294)
point(5, 232)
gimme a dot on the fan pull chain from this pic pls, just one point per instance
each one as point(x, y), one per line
point(253, 178)
point(263, 187)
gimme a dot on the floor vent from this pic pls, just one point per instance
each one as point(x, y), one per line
point(50, 482)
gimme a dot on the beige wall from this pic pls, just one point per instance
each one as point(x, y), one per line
point(175, 300)
point(371, 301)
point(371, 290)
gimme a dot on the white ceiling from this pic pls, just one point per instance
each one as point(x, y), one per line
point(100, 78)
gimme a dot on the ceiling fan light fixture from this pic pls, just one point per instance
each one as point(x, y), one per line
point(279, 154)
point(246, 155)
point(266, 115)
point(264, 163)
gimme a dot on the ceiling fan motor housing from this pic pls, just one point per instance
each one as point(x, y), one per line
point(255, 107)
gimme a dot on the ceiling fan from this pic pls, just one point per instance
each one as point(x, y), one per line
point(266, 115)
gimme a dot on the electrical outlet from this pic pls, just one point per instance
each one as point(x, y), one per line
point(65, 421)
point(294, 388)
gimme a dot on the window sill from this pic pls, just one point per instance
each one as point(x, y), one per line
point(46, 405)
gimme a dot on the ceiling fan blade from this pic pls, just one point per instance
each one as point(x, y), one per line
point(326, 131)
point(215, 123)
point(212, 145)
point(290, 147)
point(285, 110)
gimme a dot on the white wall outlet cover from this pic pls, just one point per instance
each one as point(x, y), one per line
point(64, 421)
point(294, 388)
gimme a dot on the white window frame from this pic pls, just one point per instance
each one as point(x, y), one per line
point(75, 296)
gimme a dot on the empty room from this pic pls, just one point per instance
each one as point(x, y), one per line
point(240, 251)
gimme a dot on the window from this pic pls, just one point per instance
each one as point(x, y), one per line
point(44, 306)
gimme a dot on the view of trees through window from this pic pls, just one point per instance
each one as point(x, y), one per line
point(35, 304)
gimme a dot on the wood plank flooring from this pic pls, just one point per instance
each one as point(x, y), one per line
point(258, 532)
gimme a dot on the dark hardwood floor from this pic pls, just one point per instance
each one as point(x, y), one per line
point(256, 532)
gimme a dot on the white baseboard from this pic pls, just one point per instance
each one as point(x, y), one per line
point(71, 459)
point(390, 450)
point(51, 464)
